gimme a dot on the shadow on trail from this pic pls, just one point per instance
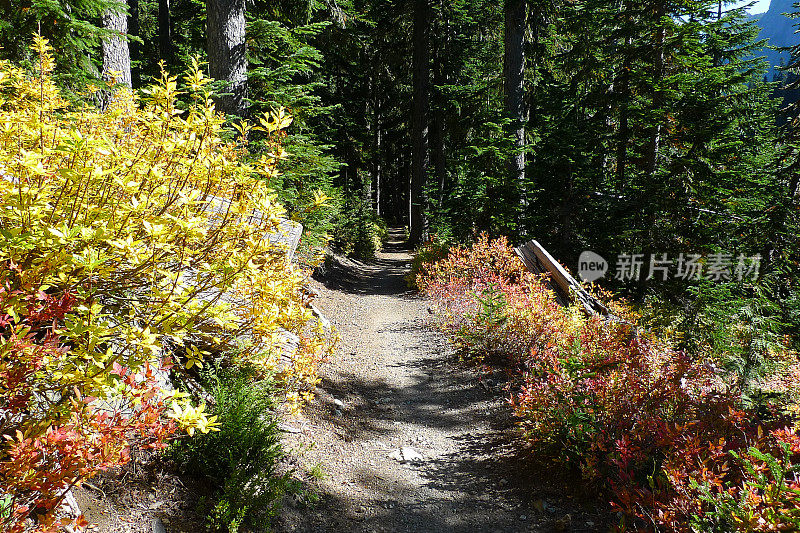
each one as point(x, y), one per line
point(436, 398)
point(478, 477)
point(384, 275)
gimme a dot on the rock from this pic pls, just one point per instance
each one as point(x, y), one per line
point(338, 403)
point(406, 454)
point(69, 505)
point(157, 526)
point(288, 428)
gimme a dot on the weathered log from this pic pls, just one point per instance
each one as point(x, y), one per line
point(566, 288)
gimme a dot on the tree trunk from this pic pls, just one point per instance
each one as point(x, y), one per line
point(654, 143)
point(514, 75)
point(378, 167)
point(133, 29)
point(651, 200)
point(377, 147)
point(116, 55)
point(164, 31)
point(623, 99)
point(438, 153)
point(419, 120)
point(227, 57)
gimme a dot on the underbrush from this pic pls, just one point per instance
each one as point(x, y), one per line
point(427, 254)
point(243, 458)
point(358, 231)
point(663, 433)
point(131, 249)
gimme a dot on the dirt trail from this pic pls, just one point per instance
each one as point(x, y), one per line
point(395, 383)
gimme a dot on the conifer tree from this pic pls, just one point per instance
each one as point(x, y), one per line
point(116, 54)
point(419, 118)
point(513, 76)
point(227, 52)
point(74, 29)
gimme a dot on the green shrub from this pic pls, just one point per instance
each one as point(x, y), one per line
point(359, 232)
point(428, 253)
point(242, 458)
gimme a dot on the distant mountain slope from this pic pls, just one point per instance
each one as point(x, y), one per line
point(778, 29)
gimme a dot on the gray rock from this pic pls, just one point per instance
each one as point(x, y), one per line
point(157, 526)
point(288, 428)
point(406, 454)
point(69, 505)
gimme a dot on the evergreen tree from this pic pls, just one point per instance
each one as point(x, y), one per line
point(227, 51)
point(419, 118)
point(513, 76)
point(116, 54)
point(74, 28)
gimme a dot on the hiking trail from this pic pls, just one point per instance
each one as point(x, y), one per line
point(407, 438)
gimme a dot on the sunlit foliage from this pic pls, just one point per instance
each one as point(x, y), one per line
point(663, 433)
point(133, 242)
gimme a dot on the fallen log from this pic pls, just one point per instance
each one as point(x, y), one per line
point(537, 260)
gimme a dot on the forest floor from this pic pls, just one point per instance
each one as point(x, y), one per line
point(406, 437)
point(401, 436)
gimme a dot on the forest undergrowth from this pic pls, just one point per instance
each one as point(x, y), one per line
point(667, 436)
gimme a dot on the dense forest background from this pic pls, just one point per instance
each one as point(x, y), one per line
point(616, 126)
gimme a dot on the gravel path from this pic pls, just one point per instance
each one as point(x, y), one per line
point(408, 439)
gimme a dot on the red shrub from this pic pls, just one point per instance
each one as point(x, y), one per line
point(52, 437)
point(659, 433)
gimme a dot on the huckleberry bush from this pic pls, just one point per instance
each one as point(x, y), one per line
point(113, 272)
point(664, 434)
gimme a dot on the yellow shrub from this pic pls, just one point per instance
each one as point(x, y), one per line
point(116, 209)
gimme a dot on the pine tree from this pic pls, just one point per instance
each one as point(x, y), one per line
point(74, 29)
point(419, 118)
point(116, 54)
point(227, 52)
point(513, 77)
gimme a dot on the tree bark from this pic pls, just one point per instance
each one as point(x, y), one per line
point(133, 29)
point(227, 52)
point(437, 133)
point(514, 75)
point(623, 100)
point(116, 55)
point(377, 147)
point(419, 121)
point(164, 31)
point(654, 143)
